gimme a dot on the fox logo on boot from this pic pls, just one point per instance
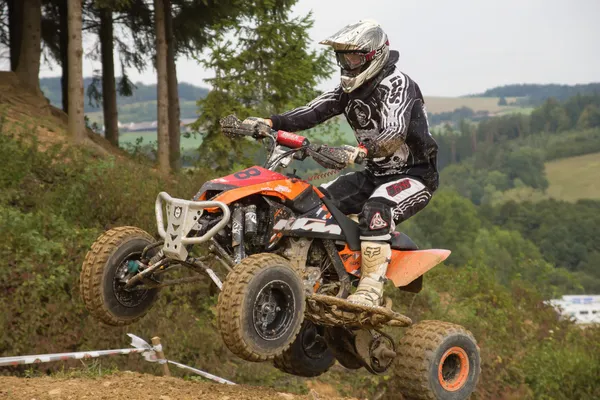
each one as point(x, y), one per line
point(372, 251)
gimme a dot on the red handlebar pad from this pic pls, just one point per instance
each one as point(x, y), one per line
point(291, 140)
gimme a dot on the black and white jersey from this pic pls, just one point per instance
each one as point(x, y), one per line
point(389, 119)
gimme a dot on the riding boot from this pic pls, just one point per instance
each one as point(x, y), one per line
point(375, 259)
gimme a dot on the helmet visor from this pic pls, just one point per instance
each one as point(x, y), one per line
point(351, 60)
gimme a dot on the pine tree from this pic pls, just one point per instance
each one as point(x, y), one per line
point(267, 68)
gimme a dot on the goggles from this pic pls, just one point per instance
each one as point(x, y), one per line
point(353, 59)
point(350, 61)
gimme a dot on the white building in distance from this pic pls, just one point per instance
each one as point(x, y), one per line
point(583, 309)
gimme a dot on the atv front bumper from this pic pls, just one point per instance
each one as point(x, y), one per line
point(183, 216)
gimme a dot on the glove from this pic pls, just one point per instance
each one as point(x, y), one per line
point(232, 127)
point(336, 157)
point(256, 127)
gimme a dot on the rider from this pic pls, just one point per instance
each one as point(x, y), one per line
point(386, 109)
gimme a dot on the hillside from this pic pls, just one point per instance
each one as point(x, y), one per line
point(24, 114)
point(574, 178)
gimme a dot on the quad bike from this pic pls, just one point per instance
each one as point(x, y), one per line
point(292, 259)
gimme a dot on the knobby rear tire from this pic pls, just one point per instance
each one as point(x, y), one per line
point(423, 348)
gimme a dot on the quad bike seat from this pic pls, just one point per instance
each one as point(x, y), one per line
point(349, 225)
point(401, 241)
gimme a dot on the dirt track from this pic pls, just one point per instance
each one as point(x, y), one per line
point(135, 386)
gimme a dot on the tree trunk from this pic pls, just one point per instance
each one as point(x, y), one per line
point(162, 87)
point(77, 130)
point(28, 68)
point(64, 52)
point(174, 112)
point(109, 91)
point(15, 31)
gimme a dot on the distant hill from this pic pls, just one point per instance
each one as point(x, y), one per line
point(534, 94)
point(142, 93)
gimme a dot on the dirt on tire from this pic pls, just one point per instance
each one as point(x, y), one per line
point(230, 307)
point(135, 386)
point(92, 272)
point(416, 353)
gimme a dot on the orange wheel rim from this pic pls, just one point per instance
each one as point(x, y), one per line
point(453, 370)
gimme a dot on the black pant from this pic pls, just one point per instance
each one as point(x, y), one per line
point(380, 201)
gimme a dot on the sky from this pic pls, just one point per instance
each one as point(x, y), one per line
point(456, 47)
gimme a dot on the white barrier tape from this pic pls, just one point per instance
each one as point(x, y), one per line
point(202, 373)
point(44, 358)
point(141, 347)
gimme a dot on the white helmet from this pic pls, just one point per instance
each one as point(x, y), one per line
point(362, 50)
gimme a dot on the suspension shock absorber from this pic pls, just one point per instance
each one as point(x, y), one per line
point(237, 233)
point(250, 220)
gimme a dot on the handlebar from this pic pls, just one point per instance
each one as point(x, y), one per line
point(291, 140)
point(300, 147)
point(283, 138)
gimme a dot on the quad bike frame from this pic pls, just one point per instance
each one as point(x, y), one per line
point(302, 237)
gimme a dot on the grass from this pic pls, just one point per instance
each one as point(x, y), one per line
point(574, 178)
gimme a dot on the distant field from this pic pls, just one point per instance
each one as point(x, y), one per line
point(436, 105)
point(143, 112)
point(150, 137)
point(574, 178)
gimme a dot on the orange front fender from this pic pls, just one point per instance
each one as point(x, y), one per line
point(406, 266)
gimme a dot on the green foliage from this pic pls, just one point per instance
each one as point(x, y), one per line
point(564, 232)
point(550, 117)
point(567, 144)
point(566, 365)
point(526, 164)
point(590, 117)
point(476, 237)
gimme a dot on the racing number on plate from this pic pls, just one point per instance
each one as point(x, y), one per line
point(250, 172)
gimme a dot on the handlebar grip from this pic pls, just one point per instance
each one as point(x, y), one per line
point(291, 140)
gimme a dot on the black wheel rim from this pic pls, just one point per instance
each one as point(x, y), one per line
point(273, 310)
point(127, 297)
point(313, 343)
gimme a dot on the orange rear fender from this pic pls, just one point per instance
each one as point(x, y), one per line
point(406, 266)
